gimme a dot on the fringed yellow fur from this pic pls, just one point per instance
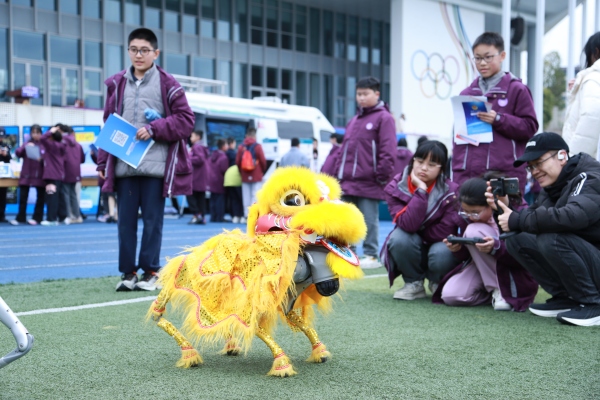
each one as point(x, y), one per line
point(343, 268)
point(282, 367)
point(319, 354)
point(189, 358)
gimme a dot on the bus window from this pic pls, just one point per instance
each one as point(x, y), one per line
point(295, 129)
point(219, 129)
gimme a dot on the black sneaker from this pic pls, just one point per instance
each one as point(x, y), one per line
point(148, 282)
point(553, 306)
point(127, 283)
point(583, 315)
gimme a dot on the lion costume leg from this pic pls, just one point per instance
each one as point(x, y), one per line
point(281, 364)
point(231, 347)
point(189, 355)
point(319, 352)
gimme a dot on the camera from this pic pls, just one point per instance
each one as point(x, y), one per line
point(505, 186)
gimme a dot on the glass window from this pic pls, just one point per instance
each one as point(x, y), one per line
point(272, 78)
point(153, 18)
point(286, 17)
point(92, 81)
point(133, 12)
point(301, 88)
point(340, 36)
point(208, 9)
point(204, 67)
point(91, 8)
point(69, 6)
point(26, 3)
point(46, 5)
point(328, 92)
point(154, 3)
point(328, 33)
point(3, 61)
point(377, 43)
point(112, 10)
point(341, 86)
point(93, 101)
point(207, 26)
point(56, 86)
point(114, 58)
point(314, 29)
point(224, 24)
point(351, 103)
point(315, 91)
point(171, 21)
point(257, 75)
point(71, 86)
point(286, 79)
point(177, 64)
point(190, 7)
point(256, 20)
point(64, 50)
point(272, 39)
point(29, 45)
point(190, 24)
point(352, 38)
point(93, 54)
point(272, 18)
point(172, 5)
point(240, 27)
point(301, 23)
point(386, 44)
point(225, 74)
point(365, 39)
point(240, 78)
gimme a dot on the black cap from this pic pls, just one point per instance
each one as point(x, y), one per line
point(539, 145)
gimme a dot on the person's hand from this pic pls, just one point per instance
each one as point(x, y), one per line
point(453, 247)
point(142, 134)
point(101, 174)
point(417, 182)
point(503, 218)
point(571, 83)
point(487, 246)
point(489, 196)
point(488, 117)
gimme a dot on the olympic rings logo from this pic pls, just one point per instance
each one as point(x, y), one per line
point(437, 74)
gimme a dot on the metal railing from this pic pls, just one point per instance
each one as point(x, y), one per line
point(192, 84)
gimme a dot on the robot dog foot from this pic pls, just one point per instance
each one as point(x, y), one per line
point(24, 339)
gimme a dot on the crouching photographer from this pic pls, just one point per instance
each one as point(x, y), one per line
point(558, 238)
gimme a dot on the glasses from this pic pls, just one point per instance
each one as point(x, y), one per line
point(488, 59)
point(465, 214)
point(533, 167)
point(144, 51)
point(429, 165)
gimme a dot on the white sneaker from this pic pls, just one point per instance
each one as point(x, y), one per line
point(32, 222)
point(148, 282)
point(243, 220)
point(14, 222)
point(498, 301)
point(67, 221)
point(78, 220)
point(369, 262)
point(49, 223)
point(432, 286)
point(235, 220)
point(411, 291)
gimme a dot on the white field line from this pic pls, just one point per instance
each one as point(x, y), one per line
point(83, 252)
point(86, 306)
point(114, 303)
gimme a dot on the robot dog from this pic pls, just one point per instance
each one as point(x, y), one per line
point(24, 339)
point(235, 286)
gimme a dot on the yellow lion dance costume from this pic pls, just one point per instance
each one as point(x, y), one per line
point(234, 286)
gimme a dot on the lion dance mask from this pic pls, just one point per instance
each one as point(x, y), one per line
point(235, 286)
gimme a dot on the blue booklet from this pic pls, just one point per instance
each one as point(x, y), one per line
point(117, 137)
point(475, 126)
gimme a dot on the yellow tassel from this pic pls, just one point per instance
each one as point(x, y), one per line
point(282, 367)
point(189, 358)
point(319, 354)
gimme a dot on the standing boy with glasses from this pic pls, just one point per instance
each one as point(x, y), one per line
point(512, 116)
point(558, 238)
point(166, 169)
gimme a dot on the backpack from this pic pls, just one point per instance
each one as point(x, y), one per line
point(248, 159)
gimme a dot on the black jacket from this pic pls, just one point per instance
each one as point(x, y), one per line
point(570, 205)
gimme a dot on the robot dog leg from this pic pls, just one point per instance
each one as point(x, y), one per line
point(24, 339)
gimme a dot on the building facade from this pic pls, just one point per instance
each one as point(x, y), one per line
point(306, 52)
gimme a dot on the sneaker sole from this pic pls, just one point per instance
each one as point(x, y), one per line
point(124, 287)
point(146, 288)
point(371, 266)
point(579, 322)
point(414, 296)
point(547, 313)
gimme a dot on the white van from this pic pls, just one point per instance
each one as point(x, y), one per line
point(276, 123)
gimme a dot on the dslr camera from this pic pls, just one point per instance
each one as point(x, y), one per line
point(505, 186)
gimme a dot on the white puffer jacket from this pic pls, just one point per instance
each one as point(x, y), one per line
point(582, 122)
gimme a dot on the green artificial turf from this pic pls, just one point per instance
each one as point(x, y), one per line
point(382, 349)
